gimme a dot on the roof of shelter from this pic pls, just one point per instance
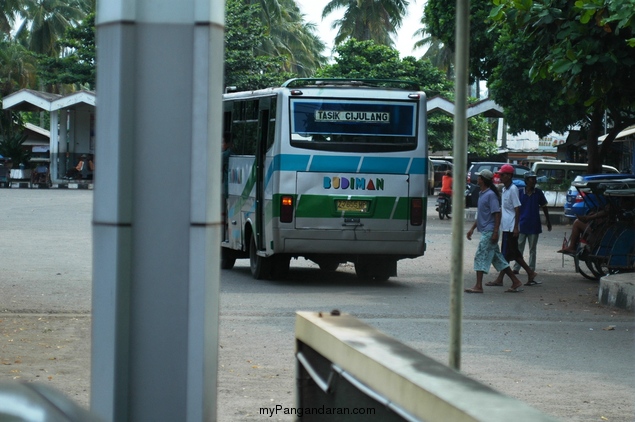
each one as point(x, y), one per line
point(487, 107)
point(73, 100)
point(626, 133)
point(30, 100)
point(37, 130)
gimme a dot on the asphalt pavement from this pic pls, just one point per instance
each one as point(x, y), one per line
point(553, 346)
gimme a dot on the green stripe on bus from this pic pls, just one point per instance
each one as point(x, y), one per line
point(323, 206)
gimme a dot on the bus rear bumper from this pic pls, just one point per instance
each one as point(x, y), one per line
point(406, 244)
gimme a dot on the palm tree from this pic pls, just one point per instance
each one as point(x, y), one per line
point(17, 68)
point(437, 53)
point(290, 37)
point(376, 20)
point(45, 22)
point(8, 12)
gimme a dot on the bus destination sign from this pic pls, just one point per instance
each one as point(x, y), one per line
point(352, 116)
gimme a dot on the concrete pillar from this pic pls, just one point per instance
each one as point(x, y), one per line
point(63, 143)
point(156, 211)
point(54, 146)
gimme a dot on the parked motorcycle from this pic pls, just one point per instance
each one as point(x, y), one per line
point(444, 205)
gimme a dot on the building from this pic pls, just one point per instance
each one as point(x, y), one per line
point(72, 129)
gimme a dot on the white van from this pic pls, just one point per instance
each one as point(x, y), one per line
point(557, 172)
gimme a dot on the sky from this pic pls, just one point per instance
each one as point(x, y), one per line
point(312, 10)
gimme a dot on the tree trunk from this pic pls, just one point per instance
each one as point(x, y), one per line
point(593, 152)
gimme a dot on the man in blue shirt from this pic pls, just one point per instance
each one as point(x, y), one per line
point(532, 199)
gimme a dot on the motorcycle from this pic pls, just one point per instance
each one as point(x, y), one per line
point(444, 205)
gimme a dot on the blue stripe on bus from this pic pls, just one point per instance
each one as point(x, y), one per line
point(325, 163)
point(419, 166)
point(291, 162)
point(349, 164)
point(385, 165)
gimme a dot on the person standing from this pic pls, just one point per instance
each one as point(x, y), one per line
point(510, 226)
point(532, 199)
point(487, 222)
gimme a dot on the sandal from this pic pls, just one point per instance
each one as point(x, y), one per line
point(516, 290)
point(473, 291)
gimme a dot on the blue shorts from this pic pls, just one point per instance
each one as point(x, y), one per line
point(488, 254)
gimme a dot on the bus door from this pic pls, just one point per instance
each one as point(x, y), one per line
point(261, 152)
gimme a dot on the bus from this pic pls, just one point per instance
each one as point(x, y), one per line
point(331, 170)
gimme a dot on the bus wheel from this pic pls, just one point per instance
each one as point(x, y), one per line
point(260, 266)
point(227, 260)
point(329, 266)
point(379, 270)
point(280, 267)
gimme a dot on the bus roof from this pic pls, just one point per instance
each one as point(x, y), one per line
point(354, 83)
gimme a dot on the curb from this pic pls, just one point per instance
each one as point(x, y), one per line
point(29, 185)
point(618, 290)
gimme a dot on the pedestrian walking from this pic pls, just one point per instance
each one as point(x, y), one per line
point(487, 222)
point(532, 200)
point(510, 227)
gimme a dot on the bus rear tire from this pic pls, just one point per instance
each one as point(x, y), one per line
point(377, 270)
point(329, 266)
point(280, 267)
point(259, 265)
point(227, 260)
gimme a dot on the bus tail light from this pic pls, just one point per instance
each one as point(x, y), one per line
point(416, 211)
point(286, 209)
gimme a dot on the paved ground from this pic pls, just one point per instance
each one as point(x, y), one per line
point(45, 273)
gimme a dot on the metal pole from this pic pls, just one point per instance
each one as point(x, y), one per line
point(156, 222)
point(458, 183)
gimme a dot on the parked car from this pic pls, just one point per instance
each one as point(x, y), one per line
point(471, 193)
point(558, 172)
point(578, 203)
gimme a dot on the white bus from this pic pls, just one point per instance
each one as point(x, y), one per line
point(331, 170)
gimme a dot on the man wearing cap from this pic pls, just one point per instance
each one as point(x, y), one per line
point(488, 219)
point(510, 226)
point(532, 199)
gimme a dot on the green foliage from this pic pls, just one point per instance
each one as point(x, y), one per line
point(17, 68)
point(579, 56)
point(289, 37)
point(439, 20)
point(538, 105)
point(13, 136)
point(77, 65)
point(368, 60)
point(375, 20)
point(245, 68)
point(45, 22)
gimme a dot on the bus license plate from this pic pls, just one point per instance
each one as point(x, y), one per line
point(348, 205)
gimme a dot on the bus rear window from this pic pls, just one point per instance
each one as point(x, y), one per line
point(353, 125)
